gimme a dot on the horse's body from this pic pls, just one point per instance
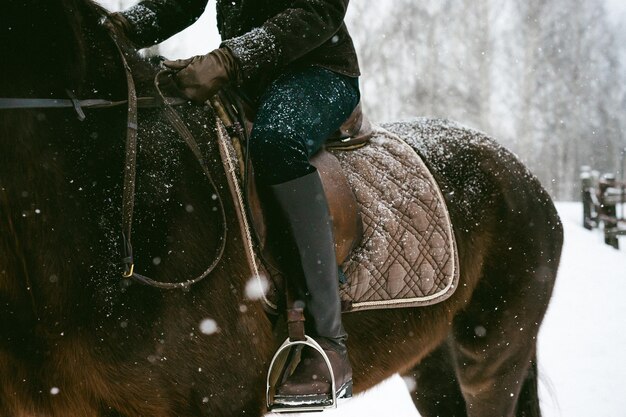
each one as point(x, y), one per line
point(76, 342)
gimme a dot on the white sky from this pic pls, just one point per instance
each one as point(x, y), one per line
point(200, 38)
point(616, 5)
point(616, 9)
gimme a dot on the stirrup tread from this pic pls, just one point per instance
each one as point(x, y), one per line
point(344, 392)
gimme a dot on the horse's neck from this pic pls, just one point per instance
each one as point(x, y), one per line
point(57, 179)
point(60, 194)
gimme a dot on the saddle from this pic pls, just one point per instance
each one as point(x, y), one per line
point(394, 241)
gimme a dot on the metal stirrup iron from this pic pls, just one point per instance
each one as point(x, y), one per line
point(284, 363)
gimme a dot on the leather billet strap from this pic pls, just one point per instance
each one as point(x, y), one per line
point(130, 174)
point(295, 324)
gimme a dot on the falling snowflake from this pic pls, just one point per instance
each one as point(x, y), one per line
point(208, 326)
point(256, 287)
point(480, 331)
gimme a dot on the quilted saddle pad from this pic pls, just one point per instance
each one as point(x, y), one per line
point(407, 256)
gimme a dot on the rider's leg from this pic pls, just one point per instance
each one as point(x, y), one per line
point(305, 213)
point(296, 115)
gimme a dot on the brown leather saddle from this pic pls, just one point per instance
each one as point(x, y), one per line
point(354, 133)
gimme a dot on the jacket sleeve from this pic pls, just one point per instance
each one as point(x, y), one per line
point(288, 35)
point(153, 21)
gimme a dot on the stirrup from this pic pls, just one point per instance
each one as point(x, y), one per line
point(283, 364)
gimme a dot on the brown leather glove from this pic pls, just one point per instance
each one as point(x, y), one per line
point(202, 76)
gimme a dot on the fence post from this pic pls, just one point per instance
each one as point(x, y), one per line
point(608, 210)
point(623, 186)
point(585, 195)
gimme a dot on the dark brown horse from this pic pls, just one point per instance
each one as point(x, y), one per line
point(76, 340)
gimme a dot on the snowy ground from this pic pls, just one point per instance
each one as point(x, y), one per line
point(582, 344)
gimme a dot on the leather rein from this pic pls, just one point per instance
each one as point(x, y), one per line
point(130, 166)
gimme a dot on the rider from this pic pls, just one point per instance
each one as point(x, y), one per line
point(296, 60)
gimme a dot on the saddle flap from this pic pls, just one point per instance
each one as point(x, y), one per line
point(344, 210)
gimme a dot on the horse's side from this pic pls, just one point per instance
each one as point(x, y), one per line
point(74, 341)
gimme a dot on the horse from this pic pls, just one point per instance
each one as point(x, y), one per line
point(78, 340)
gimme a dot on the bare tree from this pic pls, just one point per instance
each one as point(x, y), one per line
point(545, 77)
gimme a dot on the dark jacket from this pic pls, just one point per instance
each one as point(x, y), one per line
point(266, 36)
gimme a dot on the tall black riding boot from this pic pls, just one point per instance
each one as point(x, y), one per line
point(304, 210)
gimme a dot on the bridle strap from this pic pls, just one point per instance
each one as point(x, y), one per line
point(51, 103)
point(92, 103)
point(130, 173)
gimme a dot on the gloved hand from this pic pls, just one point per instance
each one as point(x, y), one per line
point(201, 77)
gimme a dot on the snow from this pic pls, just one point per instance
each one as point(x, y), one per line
point(208, 326)
point(582, 341)
point(581, 361)
point(256, 287)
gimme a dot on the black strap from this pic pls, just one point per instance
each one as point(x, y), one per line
point(92, 103)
